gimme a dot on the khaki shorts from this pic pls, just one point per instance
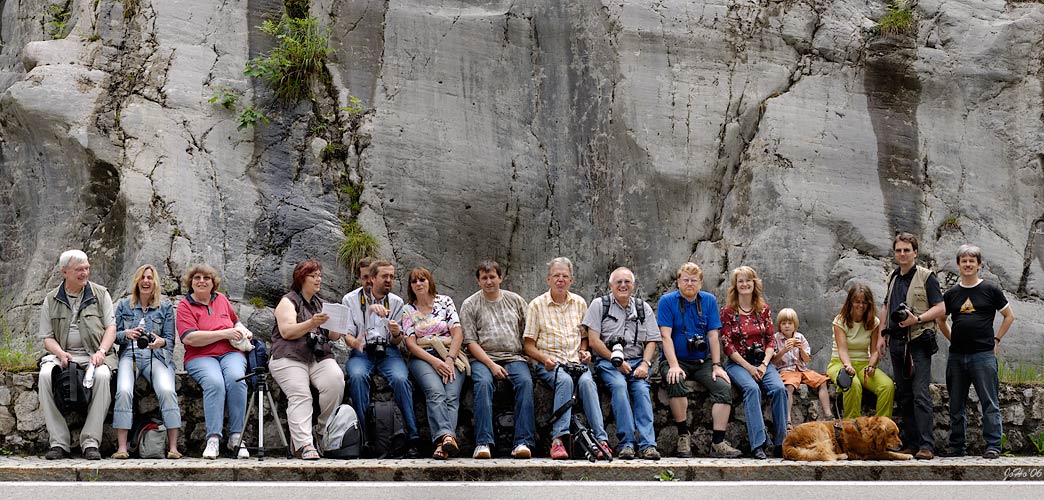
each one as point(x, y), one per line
point(810, 378)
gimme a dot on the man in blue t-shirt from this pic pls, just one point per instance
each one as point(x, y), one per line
point(689, 323)
point(972, 305)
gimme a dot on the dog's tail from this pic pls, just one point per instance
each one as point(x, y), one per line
point(804, 454)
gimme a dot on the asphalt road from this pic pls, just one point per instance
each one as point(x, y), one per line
point(572, 490)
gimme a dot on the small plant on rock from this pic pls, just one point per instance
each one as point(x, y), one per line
point(1005, 446)
point(250, 118)
point(357, 245)
point(299, 55)
point(226, 97)
point(58, 20)
point(898, 19)
point(1038, 442)
point(666, 475)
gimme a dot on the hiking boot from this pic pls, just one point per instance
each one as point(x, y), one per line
point(650, 453)
point(759, 453)
point(684, 446)
point(558, 451)
point(56, 453)
point(91, 453)
point(521, 452)
point(924, 454)
point(626, 453)
point(991, 454)
point(481, 452)
point(724, 450)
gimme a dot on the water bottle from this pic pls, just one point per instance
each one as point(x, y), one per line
point(88, 378)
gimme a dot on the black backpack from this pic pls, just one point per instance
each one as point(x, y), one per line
point(639, 308)
point(503, 432)
point(67, 386)
point(387, 430)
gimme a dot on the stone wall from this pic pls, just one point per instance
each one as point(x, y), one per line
point(22, 427)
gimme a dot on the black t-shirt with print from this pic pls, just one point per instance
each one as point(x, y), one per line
point(972, 310)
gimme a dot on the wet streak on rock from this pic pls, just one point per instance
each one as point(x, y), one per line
point(893, 93)
point(105, 215)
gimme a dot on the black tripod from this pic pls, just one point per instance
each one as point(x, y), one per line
point(583, 436)
point(260, 393)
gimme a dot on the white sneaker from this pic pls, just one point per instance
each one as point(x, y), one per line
point(521, 451)
point(481, 452)
point(212, 449)
point(234, 445)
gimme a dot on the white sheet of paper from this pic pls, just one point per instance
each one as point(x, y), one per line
point(339, 314)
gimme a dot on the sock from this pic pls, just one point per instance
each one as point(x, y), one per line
point(718, 437)
point(682, 428)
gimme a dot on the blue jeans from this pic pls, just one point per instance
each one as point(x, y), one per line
point(564, 392)
point(627, 391)
point(392, 367)
point(522, 383)
point(773, 385)
point(217, 377)
point(162, 378)
point(443, 400)
point(979, 370)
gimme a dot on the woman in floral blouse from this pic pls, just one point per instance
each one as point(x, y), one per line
point(434, 338)
point(747, 334)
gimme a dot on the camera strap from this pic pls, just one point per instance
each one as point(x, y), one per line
point(699, 314)
point(362, 305)
point(639, 312)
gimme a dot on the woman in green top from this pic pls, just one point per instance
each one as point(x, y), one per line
point(856, 332)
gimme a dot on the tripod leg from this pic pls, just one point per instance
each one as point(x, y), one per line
point(242, 438)
point(279, 425)
point(261, 424)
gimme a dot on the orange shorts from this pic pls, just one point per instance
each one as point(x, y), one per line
point(810, 378)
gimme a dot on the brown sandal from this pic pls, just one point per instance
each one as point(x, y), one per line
point(439, 453)
point(449, 446)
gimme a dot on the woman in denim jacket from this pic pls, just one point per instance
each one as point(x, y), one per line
point(145, 333)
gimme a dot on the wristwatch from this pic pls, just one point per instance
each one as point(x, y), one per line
point(719, 364)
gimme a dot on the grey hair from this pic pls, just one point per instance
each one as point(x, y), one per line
point(70, 257)
point(967, 250)
point(621, 268)
point(560, 261)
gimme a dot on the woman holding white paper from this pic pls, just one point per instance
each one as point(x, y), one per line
point(301, 357)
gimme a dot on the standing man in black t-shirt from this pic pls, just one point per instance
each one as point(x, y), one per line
point(972, 305)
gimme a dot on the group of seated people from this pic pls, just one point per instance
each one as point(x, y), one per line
point(495, 336)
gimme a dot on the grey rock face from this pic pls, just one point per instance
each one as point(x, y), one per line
point(785, 135)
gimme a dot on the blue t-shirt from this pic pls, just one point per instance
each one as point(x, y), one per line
point(669, 314)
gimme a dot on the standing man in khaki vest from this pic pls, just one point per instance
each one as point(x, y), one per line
point(912, 304)
point(77, 324)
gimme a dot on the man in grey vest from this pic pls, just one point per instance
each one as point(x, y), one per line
point(912, 304)
point(77, 324)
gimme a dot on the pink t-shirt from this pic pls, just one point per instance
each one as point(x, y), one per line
point(192, 316)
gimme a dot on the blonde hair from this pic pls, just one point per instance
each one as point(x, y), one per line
point(135, 297)
point(787, 314)
point(689, 268)
point(733, 295)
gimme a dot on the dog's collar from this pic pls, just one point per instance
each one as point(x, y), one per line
point(839, 426)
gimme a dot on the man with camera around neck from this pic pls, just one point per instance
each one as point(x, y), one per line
point(77, 324)
point(689, 322)
point(553, 337)
point(622, 333)
point(373, 338)
point(913, 302)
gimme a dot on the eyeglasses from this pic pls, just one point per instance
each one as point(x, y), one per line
point(622, 282)
point(315, 276)
point(201, 278)
point(418, 280)
point(689, 281)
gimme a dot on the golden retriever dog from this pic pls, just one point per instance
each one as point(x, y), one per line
point(865, 438)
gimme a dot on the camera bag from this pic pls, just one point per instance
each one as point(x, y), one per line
point(342, 438)
point(387, 438)
point(70, 396)
point(152, 440)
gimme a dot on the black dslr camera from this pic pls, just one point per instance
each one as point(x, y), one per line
point(145, 339)
point(376, 345)
point(697, 343)
point(574, 369)
point(755, 354)
point(903, 312)
point(616, 345)
point(317, 343)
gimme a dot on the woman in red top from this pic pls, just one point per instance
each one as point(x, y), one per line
point(206, 323)
point(747, 333)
